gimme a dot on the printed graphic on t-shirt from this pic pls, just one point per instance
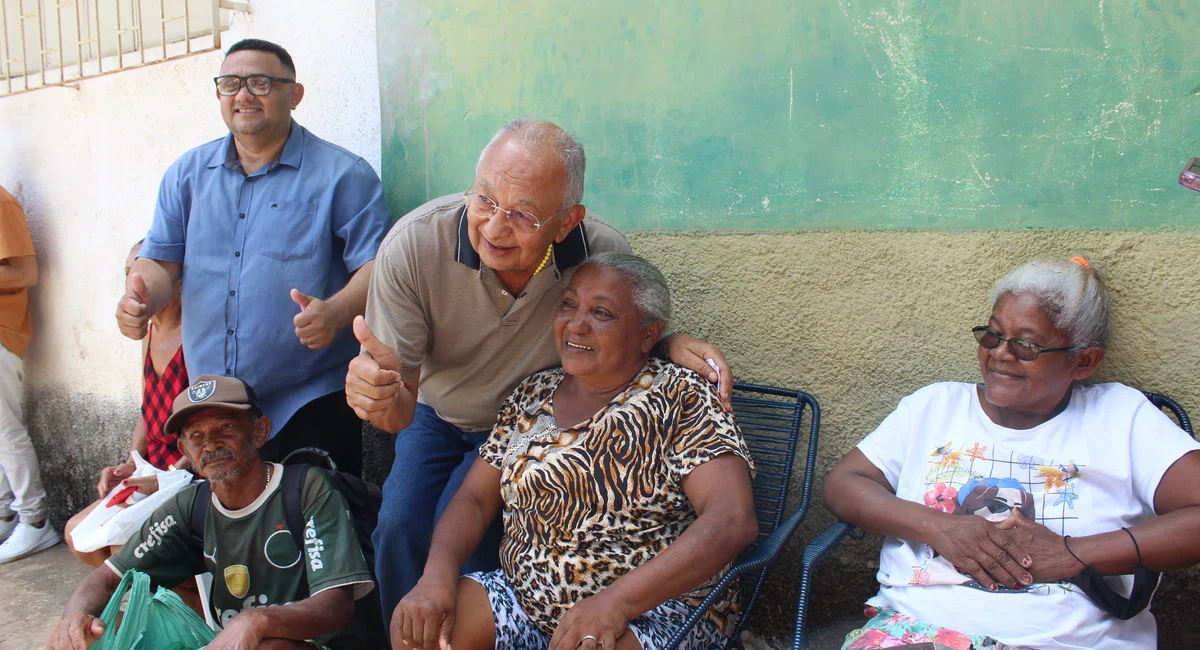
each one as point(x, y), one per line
point(237, 580)
point(970, 479)
point(253, 556)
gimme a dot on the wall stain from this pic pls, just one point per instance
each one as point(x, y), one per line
point(932, 114)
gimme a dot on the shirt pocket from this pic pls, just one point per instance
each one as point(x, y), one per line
point(288, 232)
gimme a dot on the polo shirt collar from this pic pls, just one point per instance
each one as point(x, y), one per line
point(292, 154)
point(569, 252)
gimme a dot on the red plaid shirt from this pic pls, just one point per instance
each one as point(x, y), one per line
point(158, 394)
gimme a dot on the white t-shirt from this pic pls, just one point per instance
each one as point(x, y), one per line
point(1091, 469)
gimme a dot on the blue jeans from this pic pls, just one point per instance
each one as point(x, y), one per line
point(432, 459)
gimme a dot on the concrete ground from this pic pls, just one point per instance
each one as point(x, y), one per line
point(32, 594)
point(34, 590)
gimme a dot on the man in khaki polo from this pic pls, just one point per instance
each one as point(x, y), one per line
point(458, 313)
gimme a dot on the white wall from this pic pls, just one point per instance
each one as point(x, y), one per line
point(86, 165)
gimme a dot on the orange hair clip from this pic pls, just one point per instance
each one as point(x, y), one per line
point(1081, 262)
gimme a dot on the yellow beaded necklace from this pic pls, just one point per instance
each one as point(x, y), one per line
point(545, 261)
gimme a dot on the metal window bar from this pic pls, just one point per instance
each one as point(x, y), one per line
point(109, 36)
point(4, 50)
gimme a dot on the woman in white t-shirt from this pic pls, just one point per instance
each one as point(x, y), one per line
point(1005, 502)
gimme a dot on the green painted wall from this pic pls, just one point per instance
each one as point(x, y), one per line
point(813, 114)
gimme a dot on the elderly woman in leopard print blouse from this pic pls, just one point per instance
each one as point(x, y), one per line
point(624, 485)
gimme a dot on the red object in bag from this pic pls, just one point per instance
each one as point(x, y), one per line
point(120, 497)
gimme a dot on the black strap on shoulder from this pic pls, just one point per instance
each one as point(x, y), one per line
point(293, 511)
point(200, 512)
point(293, 496)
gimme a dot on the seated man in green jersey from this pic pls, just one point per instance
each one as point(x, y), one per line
point(267, 592)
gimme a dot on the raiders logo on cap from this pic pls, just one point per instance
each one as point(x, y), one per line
point(201, 390)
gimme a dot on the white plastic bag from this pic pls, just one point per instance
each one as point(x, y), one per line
point(106, 526)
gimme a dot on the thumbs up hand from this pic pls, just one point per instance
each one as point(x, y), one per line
point(132, 312)
point(374, 387)
point(315, 324)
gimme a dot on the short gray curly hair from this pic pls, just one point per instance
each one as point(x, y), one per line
point(646, 283)
point(1071, 294)
point(547, 136)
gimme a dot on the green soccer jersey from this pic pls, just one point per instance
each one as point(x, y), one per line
point(250, 552)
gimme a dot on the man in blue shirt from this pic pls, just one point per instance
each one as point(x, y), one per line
point(273, 232)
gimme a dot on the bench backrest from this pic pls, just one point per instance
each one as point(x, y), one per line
point(771, 420)
point(1171, 406)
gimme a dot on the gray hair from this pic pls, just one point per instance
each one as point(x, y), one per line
point(536, 135)
point(1071, 294)
point(646, 283)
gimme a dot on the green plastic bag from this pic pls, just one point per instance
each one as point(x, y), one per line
point(163, 622)
point(133, 625)
point(172, 625)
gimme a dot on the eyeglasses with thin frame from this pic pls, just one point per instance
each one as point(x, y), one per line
point(519, 220)
point(258, 84)
point(1022, 349)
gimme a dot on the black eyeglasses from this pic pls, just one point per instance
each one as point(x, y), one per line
point(258, 84)
point(1023, 349)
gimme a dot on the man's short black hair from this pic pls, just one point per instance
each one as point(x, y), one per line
point(259, 45)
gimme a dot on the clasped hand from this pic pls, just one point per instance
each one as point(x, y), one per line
point(1014, 553)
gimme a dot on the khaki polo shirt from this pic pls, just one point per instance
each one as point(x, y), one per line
point(443, 312)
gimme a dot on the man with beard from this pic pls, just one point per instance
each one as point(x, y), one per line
point(267, 592)
point(273, 231)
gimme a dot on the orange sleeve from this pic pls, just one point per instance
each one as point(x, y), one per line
point(14, 233)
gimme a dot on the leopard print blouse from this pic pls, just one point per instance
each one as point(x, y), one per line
point(587, 504)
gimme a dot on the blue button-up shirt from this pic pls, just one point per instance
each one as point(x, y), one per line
point(307, 221)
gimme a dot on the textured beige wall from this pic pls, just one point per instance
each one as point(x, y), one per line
point(860, 319)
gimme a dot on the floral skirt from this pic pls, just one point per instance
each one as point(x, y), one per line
point(653, 630)
point(890, 629)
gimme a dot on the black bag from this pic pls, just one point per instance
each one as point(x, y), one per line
point(364, 500)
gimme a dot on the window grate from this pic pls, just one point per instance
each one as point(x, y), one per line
point(48, 43)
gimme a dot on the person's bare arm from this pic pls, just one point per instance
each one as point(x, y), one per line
point(148, 289)
point(312, 617)
point(1167, 542)
point(858, 492)
point(139, 443)
point(426, 614)
point(79, 625)
point(111, 476)
point(351, 301)
point(18, 272)
point(720, 492)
